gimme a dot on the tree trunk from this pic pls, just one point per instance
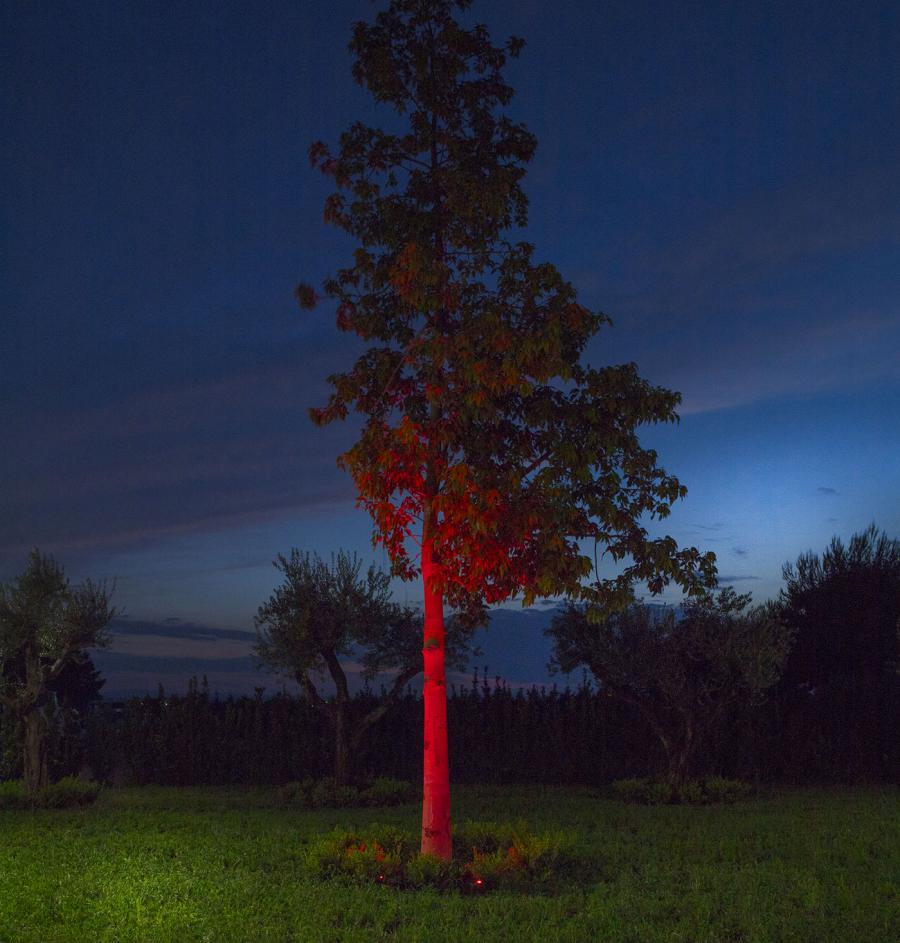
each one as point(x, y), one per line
point(676, 771)
point(337, 714)
point(37, 775)
point(436, 785)
point(341, 745)
point(680, 759)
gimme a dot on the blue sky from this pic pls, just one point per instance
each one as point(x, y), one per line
point(719, 178)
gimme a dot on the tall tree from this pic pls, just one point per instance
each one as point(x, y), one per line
point(682, 675)
point(45, 625)
point(322, 612)
point(486, 445)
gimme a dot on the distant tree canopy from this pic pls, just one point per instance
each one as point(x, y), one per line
point(45, 626)
point(323, 612)
point(683, 675)
point(841, 687)
point(845, 607)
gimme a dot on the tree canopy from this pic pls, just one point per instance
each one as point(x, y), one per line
point(845, 607)
point(841, 687)
point(478, 414)
point(42, 615)
point(680, 674)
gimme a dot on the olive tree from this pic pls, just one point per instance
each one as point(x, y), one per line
point(45, 625)
point(323, 612)
point(680, 675)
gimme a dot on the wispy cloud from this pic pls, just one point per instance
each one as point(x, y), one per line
point(823, 490)
point(763, 299)
point(177, 629)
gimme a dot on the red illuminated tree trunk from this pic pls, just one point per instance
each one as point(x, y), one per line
point(436, 775)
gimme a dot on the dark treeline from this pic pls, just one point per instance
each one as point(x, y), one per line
point(832, 715)
point(497, 736)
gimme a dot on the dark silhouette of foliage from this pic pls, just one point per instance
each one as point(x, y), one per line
point(78, 685)
point(841, 690)
point(498, 735)
point(75, 687)
point(845, 606)
point(681, 675)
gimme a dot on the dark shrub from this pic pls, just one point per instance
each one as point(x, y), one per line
point(324, 793)
point(68, 793)
point(719, 789)
point(691, 792)
point(12, 794)
point(385, 792)
point(644, 791)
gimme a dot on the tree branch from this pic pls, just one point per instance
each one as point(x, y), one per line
point(400, 682)
point(309, 688)
point(53, 670)
point(337, 674)
point(537, 462)
point(645, 712)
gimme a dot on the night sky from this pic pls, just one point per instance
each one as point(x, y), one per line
point(720, 178)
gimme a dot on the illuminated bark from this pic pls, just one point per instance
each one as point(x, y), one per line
point(436, 838)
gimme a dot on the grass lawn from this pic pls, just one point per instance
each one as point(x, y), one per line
point(227, 865)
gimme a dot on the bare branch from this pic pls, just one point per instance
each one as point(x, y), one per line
point(396, 689)
point(309, 689)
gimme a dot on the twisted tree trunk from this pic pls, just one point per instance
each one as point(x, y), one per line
point(30, 702)
point(36, 759)
point(348, 736)
point(341, 745)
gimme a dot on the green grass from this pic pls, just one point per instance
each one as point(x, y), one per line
point(228, 865)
